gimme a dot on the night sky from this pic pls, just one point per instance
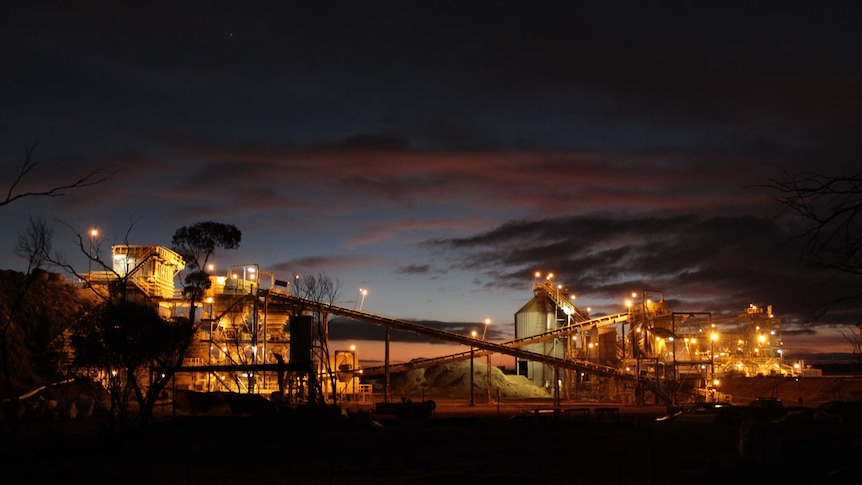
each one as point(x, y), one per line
point(439, 153)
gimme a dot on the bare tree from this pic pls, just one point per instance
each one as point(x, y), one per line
point(322, 291)
point(12, 194)
point(831, 208)
point(854, 339)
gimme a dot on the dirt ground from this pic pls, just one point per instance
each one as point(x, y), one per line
point(481, 444)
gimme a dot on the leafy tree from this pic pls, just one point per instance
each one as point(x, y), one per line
point(196, 244)
point(32, 246)
point(121, 342)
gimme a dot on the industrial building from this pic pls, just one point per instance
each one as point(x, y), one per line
point(255, 335)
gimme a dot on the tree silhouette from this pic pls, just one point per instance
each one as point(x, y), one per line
point(323, 291)
point(830, 209)
point(196, 244)
point(29, 164)
point(122, 342)
point(32, 246)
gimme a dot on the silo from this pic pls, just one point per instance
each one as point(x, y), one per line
point(537, 316)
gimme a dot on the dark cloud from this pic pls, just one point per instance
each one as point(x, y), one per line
point(719, 262)
point(414, 269)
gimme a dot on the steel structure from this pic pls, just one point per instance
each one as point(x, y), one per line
point(251, 338)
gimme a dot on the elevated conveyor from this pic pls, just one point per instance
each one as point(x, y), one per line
point(544, 336)
point(482, 345)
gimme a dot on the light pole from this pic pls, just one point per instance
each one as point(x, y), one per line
point(712, 338)
point(472, 354)
point(488, 364)
point(363, 292)
point(629, 311)
point(93, 234)
point(557, 304)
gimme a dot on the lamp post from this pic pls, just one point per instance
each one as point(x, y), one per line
point(472, 354)
point(488, 363)
point(629, 311)
point(712, 338)
point(93, 234)
point(363, 292)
